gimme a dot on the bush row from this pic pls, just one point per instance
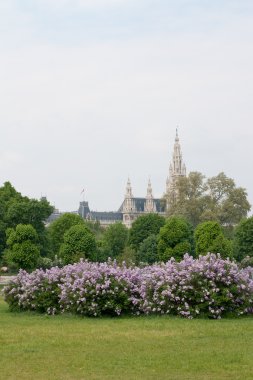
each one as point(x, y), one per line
point(208, 286)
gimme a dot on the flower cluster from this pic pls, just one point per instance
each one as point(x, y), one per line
point(207, 286)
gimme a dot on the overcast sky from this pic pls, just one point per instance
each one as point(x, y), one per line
point(91, 92)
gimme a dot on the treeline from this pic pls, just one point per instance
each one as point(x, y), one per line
point(25, 241)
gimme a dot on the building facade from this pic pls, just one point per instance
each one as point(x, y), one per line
point(133, 207)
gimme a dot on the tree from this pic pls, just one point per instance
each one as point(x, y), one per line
point(128, 256)
point(143, 227)
point(28, 211)
point(23, 249)
point(243, 240)
point(209, 237)
point(16, 209)
point(190, 202)
point(114, 240)
point(7, 195)
point(148, 252)
point(58, 227)
point(175, 239)
point(79, 242)
point(34, 212)
point(217, 198)
point(96, 228)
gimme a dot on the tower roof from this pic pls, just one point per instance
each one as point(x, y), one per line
point(177, 167)
point(129, 193)
point(149, 190)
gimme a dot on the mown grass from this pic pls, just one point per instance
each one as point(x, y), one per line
point(40, 347)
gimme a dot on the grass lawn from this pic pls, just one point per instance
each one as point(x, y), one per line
point(35, 347)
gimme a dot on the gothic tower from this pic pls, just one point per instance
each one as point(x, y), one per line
point(177, 169)
point(128, 205)
point(149, 203)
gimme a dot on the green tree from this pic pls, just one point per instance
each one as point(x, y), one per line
point(243, 240)
point(59, 227)
point(28, 211)
point(143, 227)
point(148, 251)
point(114, 240)
point(175, 239)
point(34, 212)
point(7, 195)
point(209, 237)
point(217, 198)
point(22, 246)
point(16, 209)
point(79, 242)
point(96, 228)
point(128, 256)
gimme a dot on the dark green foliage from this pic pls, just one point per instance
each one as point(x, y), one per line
point(114, 240)
point(223, 246)
point(143, 227)
point(148, 252)
point(20, 234)
point(23, 249)
point(58, 227)
point(181, 248)
point(95, 228)
point(16, 209)
point(79, 242)
point(175, 239)
point(128, 257)
point(243, 243)
point(209, 237)
point(28, 211)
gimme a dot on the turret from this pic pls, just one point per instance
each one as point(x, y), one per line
point(129, 205)
point(149, 203)
point(177, 168)
point(129, 193)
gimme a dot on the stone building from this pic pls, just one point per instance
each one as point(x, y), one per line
point(177, 169)
point(133, 207)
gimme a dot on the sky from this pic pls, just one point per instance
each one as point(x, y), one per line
point(91, 92)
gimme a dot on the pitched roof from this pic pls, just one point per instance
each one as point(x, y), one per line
point(140, 204)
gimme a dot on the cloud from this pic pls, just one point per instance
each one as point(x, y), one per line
point(80, 4)
point(90, 113)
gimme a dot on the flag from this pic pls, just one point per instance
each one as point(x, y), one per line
point(82, 191)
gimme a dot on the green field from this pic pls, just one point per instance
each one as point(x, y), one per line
point(65, 347)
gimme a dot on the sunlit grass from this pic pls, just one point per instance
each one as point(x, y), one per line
point(35, 347)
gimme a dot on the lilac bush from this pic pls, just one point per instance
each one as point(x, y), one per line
point(208, 286)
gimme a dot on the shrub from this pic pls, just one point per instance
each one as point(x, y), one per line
point(114, 240)
point(79, 242)
point(95, 289)
point(208, 286)
point(148, 252)
point(209, 237)
point(244, 239)
point(175, 239)
point(247, 262)
point(23, 249)
point(37, 291)
point(143, 227)
point(59, 227)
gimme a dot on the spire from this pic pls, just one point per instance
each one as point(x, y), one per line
point(177, 167)
point(129, 193)
point(177, 159)
point(176, 139)
point(150, 205)
point(129, 202)
point(149, 190)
